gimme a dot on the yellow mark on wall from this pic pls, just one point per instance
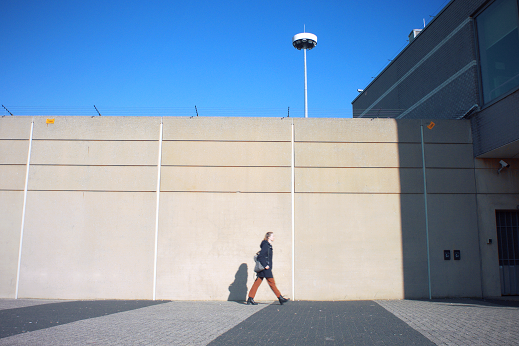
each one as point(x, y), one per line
point(431, 125)
point(50, 121)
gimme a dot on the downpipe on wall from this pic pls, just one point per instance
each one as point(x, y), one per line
point(426, 211)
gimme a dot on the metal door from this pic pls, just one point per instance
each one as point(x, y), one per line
point(508, 245)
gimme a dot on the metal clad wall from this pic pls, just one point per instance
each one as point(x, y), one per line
point(448, 72)
point(496, 125)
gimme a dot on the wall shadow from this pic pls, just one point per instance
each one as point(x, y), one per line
point(238, 289)
point(412, 210)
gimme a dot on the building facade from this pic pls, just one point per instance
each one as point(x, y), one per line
point(463, 65)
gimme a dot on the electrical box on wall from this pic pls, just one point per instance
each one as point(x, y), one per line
point(457, 255)
point(447, 255)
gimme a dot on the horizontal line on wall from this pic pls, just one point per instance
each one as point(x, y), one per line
point(384, 193)
point(125, 191)
point(354, 142)
point(81, 165)
point(223, 141)
point(150, 140)
point(204, 166)
point(273, 192)
point(93, 140)
point(416, 167)
point(227, 192)
point(356, 167)
point(356, 193)
point(200, 166)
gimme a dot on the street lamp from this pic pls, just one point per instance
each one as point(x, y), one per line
point(304, 41)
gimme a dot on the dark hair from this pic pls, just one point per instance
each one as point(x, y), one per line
point(267, 236)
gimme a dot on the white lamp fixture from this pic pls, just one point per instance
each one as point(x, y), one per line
point(304, 41)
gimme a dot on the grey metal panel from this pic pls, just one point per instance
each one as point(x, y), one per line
point(497, 125)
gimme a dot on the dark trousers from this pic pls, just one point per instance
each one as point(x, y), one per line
point(257, 283)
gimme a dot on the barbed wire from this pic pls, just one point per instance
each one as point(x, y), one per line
point(175, 111)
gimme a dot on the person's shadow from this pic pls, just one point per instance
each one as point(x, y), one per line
point(238, 289)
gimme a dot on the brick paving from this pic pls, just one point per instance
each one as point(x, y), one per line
point(323, 323)
point(384, 322)
point(460, 321)
point(168, 323)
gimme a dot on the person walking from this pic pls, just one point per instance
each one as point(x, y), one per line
point(265, 258)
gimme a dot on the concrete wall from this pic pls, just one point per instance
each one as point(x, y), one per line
point(350, 190)
point(495, 192)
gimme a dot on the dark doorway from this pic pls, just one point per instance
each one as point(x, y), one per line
point(507, 223)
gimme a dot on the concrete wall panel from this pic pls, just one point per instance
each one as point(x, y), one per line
point(93, 178)
point(358, 155)
point(95, 152)
point(85, 245)
point(489, 181)
point(198, 153)
point(14, 152)
point(450, 181)
point(494, 164)
point(207, 241)
point(414, 246)
point(354, 180)
point(97, 128)
point(454, 228)
point(487, 205)
point(227, 129)
point(348, 247)
point(447, 131)
point(12, 177)
point(11, 204)
point(449, 156)
point(226, 179)
point(357, 130)
point(15, 127)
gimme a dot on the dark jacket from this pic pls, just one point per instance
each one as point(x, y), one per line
point(265, 258)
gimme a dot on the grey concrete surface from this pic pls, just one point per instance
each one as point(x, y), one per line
point(383, 322)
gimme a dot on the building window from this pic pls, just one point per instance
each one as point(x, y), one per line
point(498, 38)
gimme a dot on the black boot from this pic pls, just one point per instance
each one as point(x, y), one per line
point(251, 301)
point(283, 300)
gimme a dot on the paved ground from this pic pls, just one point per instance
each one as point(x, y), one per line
point(388, 322)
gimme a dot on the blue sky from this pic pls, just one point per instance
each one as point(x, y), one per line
point(229, 58)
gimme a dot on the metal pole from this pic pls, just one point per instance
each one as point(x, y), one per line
point(157, 213)
point(23, 211)
point(306, 100)
point(426, 214)
point(292, 193)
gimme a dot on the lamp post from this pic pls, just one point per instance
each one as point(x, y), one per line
point(305, 41)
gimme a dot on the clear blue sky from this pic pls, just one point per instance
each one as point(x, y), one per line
point(229, 58)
